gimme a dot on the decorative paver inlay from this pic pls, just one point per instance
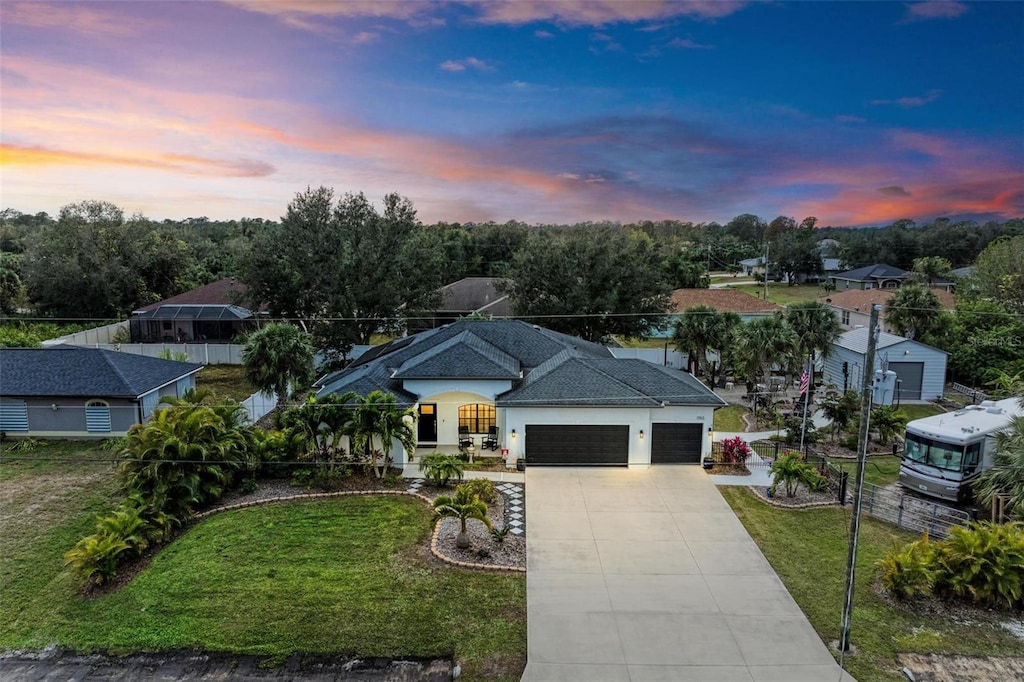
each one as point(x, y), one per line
point(515, 507)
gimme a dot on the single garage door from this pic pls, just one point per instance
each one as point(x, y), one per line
point(676, 443)
point(577, 445)
point(910, 376)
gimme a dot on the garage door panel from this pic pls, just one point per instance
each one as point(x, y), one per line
point(911, 378)
point(577, 444)
point(673, 443)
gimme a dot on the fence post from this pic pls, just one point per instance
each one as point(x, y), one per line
point(899, 515)
point(931, 524)
point(843, 476)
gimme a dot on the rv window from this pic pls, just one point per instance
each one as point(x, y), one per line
point(973, 454)
point(945, 456)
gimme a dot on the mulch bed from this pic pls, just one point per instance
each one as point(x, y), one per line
point(729, 469)
point(803, 499)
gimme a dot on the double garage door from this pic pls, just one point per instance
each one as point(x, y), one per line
point(603, 445)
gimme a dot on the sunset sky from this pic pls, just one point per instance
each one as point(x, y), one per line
point(858, 113)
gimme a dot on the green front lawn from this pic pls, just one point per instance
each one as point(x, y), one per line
point(920, 411)
point(879, 470)
point(808, 551)
point(226, 381)
point(730, 418)
point(783, 294)
point(346, 576)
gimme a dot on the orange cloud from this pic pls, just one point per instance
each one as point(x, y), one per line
point(17, 155)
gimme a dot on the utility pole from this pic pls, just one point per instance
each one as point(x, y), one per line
point(766, 271)
point(862, 455)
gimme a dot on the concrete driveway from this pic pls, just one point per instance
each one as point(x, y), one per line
point(648, 575)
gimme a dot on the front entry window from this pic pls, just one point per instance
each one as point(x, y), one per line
point(477, 418)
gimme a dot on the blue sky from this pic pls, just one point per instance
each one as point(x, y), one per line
point(857, 113)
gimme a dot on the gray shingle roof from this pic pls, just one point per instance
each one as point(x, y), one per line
point(870, 272)
point(557, 369)
point(569, 379)
point(464, 355)
point(71, 371)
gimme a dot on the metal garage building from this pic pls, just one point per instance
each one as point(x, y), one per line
point(920, 369)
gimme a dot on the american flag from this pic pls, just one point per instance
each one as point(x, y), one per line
point(805, 379)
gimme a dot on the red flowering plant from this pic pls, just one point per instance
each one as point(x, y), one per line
point(735, 450)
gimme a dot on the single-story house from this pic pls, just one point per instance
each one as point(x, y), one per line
point(751, 265)
point(723, 300)
point(208, 314)
point(545, 396)
point(469, 296)
point(878, 276)
point(74, 392)
point(920, 370)
point(853, 306)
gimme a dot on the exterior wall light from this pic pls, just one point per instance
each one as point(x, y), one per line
point(513, 433)
point(641, 434)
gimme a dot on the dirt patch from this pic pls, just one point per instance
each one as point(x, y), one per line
point(56, 664)
point(936, 668)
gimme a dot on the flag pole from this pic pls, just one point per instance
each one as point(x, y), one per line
point(806, 386)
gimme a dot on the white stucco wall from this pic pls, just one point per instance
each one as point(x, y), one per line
point(485, 388)
point(636, 419)
point(448, 404)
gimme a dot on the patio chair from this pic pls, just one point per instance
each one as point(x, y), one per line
point(465, 440)
point(491, 439)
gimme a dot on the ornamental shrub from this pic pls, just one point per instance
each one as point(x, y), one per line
point(735, 450)
point(482, 488)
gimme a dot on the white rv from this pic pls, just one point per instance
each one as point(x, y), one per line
point(944, 453)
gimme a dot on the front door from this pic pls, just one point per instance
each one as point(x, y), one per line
point(426, 430)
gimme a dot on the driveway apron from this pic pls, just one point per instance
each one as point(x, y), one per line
point(643, 575)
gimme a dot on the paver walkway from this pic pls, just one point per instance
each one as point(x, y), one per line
point(643, 575)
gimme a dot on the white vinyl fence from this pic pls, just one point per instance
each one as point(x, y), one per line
point(90, 337)
point(659, 356)
point(259, 404)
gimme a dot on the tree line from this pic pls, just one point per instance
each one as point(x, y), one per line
point(346, 270)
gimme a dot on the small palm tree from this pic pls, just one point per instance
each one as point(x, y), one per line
point(378, 415)
point(932, 268)
point(701, 329)
point(888, 422)
point(816, 328)
point(440, 468)
point(277, 356)
point(1006, 476)
point(463, 505)
point(915, 311)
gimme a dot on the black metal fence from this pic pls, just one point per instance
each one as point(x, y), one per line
point(837, 478)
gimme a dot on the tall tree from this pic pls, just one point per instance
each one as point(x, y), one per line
point(93, 263)
point(796, 253)
point(702, 329)
point(999, 273)
point(985, 340)
point(277, 356)
point(590, 282)
point(915, 312)
point(346, 270)
point(816, 328)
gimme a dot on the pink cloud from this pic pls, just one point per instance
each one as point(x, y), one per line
point(67, 16)
point(909, 102)
point(600, 12)
point(933, 9)
point(688, 44)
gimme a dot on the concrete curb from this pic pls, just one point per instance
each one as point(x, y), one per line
point(435, 534)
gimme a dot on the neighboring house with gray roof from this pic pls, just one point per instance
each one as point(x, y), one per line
point(878, 276)
point(207, 314)
point(481, 296)
point(553, 398)
point(74, 392)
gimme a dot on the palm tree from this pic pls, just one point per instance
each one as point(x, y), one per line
point(701, 329)
point(378, 416)
point(322, 422)
point(1006, 476)
point(462, 505)
point(888, 421)
point(762, 343)
point(816, 329)
point(277, 356)
point(932, 268)
point(184, 457)
point(914, 311)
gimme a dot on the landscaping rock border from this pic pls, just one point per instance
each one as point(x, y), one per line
point(759, 492)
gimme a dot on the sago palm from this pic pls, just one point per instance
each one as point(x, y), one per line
point(463, 505)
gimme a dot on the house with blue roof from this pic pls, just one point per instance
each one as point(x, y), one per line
point(541, 395)
point(75, 392)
